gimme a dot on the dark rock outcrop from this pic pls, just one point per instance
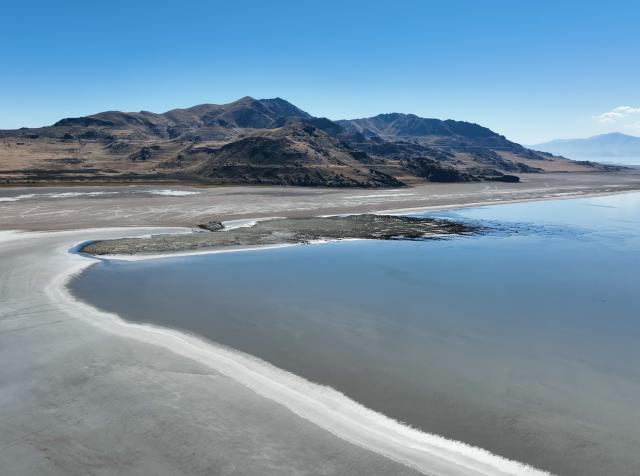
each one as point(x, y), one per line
point(504, 178)
point(434, 171)
point(212, 225)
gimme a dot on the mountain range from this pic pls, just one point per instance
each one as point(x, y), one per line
point(614, 144)
point(265, 141)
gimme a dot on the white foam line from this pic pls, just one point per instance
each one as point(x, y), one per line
point(245, 222)
point(164, 192)
point(143, 257)
point(16, 198)
point(382, 195)
point(170, 193)
point(321, 241)
point(55, 195)
point(324, 406)
point(77, 194)
point(332, 215)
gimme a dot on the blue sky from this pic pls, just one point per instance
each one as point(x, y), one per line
point(532, 70)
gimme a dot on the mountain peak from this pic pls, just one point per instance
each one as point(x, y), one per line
point(401, 126)
point(618, 135)
point(242, 100)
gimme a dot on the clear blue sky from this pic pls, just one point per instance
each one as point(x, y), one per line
point(532, 70)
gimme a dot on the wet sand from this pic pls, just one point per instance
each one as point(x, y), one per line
point(77, 398)
point(91, 391)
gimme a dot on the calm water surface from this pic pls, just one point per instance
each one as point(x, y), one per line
point(526, 343)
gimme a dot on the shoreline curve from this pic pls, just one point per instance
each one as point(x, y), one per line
point(324, 406)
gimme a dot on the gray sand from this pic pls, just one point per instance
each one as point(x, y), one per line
point(75, 400)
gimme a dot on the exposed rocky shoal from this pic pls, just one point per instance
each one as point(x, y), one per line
point(287, 231)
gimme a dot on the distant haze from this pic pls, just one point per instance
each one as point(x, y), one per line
point(614, 147)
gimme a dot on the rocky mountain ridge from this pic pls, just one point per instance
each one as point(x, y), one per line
point(264, 141)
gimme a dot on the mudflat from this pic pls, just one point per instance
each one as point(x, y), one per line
point(60, 208)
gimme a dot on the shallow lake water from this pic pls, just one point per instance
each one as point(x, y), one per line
point(524, 341)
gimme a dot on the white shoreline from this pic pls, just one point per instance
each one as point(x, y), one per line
point(183, 254)
point(323, 406)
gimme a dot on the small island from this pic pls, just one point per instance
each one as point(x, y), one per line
point(285, 231)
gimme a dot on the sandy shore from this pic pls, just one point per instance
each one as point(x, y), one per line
point(86, 392)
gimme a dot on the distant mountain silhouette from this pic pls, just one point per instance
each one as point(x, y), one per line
point(264, 141)
point(615, 144)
